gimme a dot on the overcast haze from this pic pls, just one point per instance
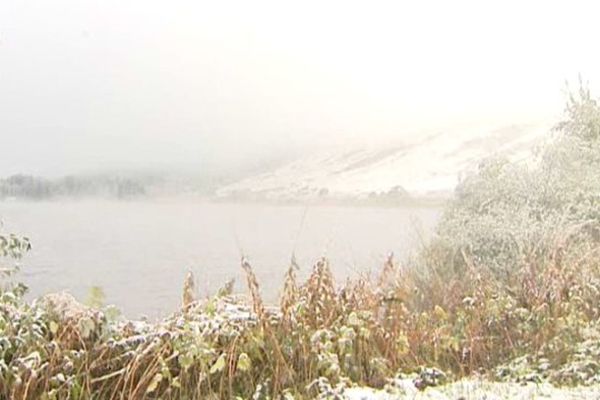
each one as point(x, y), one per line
point(88, 85)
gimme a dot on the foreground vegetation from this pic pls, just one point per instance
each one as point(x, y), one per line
point(507, 291)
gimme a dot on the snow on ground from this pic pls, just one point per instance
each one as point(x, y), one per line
point(476, 390)
point(426, 166)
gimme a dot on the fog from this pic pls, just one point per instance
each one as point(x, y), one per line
point(91, 85)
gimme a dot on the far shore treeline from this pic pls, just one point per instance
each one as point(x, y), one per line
point(103, 185)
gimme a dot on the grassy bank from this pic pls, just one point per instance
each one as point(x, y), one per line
point(320, 341)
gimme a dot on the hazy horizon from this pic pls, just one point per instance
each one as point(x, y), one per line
point(90, 86)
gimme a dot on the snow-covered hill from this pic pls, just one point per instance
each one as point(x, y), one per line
point(426, 166)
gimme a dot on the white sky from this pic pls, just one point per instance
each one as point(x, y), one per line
point(99, 84)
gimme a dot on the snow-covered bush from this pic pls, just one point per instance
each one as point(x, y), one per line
point(506, 216)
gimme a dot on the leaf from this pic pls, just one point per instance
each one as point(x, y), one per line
point(219, 365)
point(364, 333)
point(244, 363)
point(156, 380)
point(86, 326)
point(32, 360)
point(353, 319)
point(53, 327)
point(185, 361)
point(402, 344)
point(440, 313)
point(210, 308)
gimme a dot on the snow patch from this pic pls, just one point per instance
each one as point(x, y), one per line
point(426, 167)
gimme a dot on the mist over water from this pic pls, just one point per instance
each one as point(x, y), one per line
point(139, 251)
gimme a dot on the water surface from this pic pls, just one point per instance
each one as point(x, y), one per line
point(139, 252)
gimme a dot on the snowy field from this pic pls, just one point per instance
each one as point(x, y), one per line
point(474, 390)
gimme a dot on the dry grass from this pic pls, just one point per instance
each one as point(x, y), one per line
point(321, 336)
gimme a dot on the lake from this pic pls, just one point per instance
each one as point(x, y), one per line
point(138, 252)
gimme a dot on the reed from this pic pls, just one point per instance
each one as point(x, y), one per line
point(321, 336)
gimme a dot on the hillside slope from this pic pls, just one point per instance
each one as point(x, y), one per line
point(426, 167)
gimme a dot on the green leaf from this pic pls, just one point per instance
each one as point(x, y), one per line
point(244, 363)
point(219, 365)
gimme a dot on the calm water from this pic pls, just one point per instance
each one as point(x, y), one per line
point(139, 252)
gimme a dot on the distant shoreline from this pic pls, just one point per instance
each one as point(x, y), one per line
point(412, 202)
